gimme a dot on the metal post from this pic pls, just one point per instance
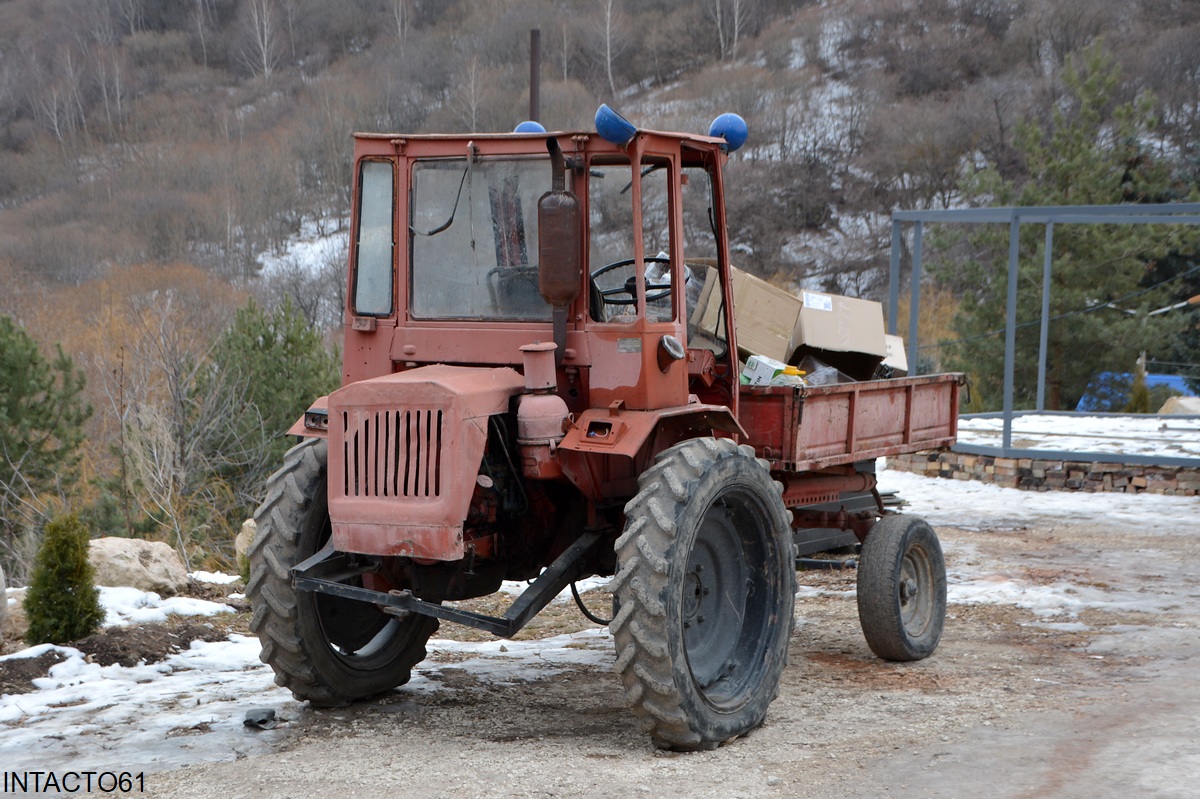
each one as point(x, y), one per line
point(894, 279)
point(535, 70)
point(915, 301)
point(1010, 330)
point(1043, 342)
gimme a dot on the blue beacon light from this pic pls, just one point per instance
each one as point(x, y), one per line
point(613, 127)
point(730, 127)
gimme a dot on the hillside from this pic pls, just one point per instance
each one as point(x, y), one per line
point(154, 155)
point(149, 131)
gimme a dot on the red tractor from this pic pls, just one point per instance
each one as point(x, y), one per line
point(528, 395)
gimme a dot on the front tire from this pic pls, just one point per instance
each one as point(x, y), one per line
point(902, 589)
point(706, 590)
point(325, 649)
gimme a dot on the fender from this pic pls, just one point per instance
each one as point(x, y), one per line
point(602, 432)
point(315, 421)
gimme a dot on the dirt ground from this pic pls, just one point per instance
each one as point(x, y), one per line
point(1013, 704)
point(1102, 702)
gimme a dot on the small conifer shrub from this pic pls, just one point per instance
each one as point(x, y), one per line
point(62, 603)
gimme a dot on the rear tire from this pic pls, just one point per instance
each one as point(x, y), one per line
point(902, 589)
point(705, 587)
point(325, 649)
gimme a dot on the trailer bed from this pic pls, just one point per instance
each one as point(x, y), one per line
point(808, 428)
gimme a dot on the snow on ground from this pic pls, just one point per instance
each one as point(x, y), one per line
point(131, 606)
point(1172, 436)
point(308, 249)
point(216, 578)
point(85, 713)
point(156, 710)
point(972, 505)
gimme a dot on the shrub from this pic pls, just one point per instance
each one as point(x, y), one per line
point(62, 603)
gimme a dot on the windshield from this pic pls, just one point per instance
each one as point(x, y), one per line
point(473, 230)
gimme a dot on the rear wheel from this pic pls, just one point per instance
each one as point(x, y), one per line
point(706, 590)
point(902, 589)
point(326, 649)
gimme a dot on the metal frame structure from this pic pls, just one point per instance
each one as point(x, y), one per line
point(1015, 216)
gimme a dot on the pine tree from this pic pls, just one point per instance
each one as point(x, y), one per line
point(1088, 152)
point(42, 413)
point(1139, 394)
point(280, 365)
point(63, 603)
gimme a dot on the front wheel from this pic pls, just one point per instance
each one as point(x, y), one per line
point(326, 649)
point(706, 589)
point(902, 589)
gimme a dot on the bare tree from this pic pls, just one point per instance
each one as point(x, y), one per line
point(610, 40)
point(54, 92)
point(99, 16)
point(200, 21)
point(401, 12)
point(111, 75)
point(73, 80)
point(130, 14)
point(740, 11)
point(291, 11)
point(317, 291)
point(716, 10)
point(565, 53)
point(188, 424)
point(731, 18)
point(261, 51)
point(471, 95)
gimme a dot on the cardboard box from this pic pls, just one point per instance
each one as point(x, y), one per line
point(897, 356)
point(842, 331)
point(764, 314)
point(763, 371)
point(845, 332)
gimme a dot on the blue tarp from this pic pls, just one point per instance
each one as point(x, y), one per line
point(1109, 391)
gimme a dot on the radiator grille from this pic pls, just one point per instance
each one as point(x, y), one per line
point(392, 453)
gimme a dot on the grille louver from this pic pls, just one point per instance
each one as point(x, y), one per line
point(392, 453)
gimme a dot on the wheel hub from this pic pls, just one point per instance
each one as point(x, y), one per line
point(721, 627)
point(916, 603)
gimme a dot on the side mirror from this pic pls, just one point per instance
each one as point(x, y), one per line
point(560, 259)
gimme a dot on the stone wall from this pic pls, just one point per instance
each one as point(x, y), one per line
point(1052, 475)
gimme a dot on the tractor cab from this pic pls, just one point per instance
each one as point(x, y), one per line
point(466, 248)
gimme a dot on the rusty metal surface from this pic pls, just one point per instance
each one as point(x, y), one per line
point(624, 432)
point(804, 429)
point(812, 489)
point(403, 456)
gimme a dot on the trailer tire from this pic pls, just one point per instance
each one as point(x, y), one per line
point(328, 650)
point(902, 589)
point(705, 587)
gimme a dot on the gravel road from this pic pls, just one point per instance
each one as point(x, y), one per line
point(1083, 685)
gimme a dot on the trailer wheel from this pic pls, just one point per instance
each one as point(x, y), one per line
point(325, 649)
point(902, 589)
point(705, 587)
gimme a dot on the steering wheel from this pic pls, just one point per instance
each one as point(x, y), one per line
point(654, 291)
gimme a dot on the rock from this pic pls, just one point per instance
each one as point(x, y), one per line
point(145, 565)
point(241, 545)
point(261, 718)
point(18, 623)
